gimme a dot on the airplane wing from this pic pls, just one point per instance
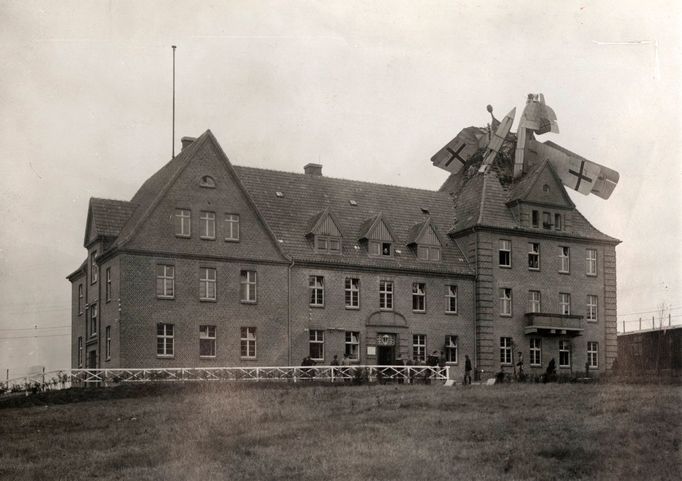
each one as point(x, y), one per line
point(497, 139)
point(455, 154)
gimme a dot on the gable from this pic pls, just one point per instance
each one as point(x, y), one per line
point(547, 189)
point(224, 197)
point(376, 229)
point(324, 224)
point(428, 237)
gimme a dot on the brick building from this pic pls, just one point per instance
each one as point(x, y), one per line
point(211, 264)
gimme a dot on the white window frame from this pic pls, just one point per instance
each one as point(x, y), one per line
point(593, 354)
point(207, 284)
point(535, 219)
point(535, 351)
point(451, 349)
point(592, 308)
point(534, 301)
point(374, 248)
point(94, 270)
point(81, 299)
point(248, 281)
point(165, 332)
point(316, 291)
point(207, 337)
point(107, 343)
point(505, 297)
point(533, 253)
point(352, 345)
point(564, 259)
point(419, 347)
point(450, 299)
point(324, 244)
point(165, 277)
point(506, 351)
point(591, 262)
point(565, 347)
point(107, 284)
point(316, 338)
point(80, 351)
point(418, 297)
point(565, 303)
point(248, 343)
point(183, 223)
point(93, 319)
point(385, 295)
point(232, 223)
point(352, 293)
point(428, 253)
point(207, 221)
point(557, 221)
point(505, 248)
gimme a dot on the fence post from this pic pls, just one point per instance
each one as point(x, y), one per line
point(653, 322)
point(640, 323)
point(669, 317)
point(332, 368)
point(623, 326)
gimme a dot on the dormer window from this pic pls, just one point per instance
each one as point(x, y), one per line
point(428, 253)
point(378, 248)
point(546, 220)
point(327, 244)
point(207, 181)
point(425, 241)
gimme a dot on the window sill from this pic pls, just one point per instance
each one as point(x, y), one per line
point(166, 298)
point(565, 272)
point(352, 308)
point(534, 269)
point(182, 236)
point(164, 356)
point(535, 365)
point(207, 357)
point(419, 311)
point(248, 302)
point(316, 306)
point(504, 267)
point(592, 321)
point(231, 240)
point(505, 315)
point(207, 238)
point(591, 275)
point(451, 313)
point(248, 358)
point(207, 300)
point(385, 309)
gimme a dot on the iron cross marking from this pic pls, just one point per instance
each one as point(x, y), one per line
point(455, 155)
point(580, 175)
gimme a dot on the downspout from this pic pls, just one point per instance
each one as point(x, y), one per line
point(289, 267)
point(477, 360)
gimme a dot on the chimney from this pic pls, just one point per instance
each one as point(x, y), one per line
point(186, 141)
point(313, 169)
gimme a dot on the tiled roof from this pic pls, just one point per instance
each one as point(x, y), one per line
point(305, 195)
point(109, 215)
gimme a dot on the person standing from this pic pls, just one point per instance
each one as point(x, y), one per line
point(467, 370)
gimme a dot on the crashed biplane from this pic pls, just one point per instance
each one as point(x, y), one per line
point(576, 172)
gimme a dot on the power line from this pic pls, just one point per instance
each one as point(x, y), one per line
point(654, 311)
point(35, 328)
point(32, 337)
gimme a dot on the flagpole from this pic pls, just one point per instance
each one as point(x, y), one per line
point(173, 139)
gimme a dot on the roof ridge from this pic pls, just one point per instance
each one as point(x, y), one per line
point(341, 179)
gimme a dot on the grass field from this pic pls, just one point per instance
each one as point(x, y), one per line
point(262, 432)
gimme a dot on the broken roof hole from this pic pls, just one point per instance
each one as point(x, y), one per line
point(279, 194)
point(425, 210)
point(353, 202)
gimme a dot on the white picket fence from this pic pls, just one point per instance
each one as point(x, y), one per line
point(52, 380)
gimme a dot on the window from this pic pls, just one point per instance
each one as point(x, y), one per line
point(248, 287)
point(248, 342)
point(591, 308)
point(352, 345)
point(183, 223)
point(591, 262)
point(546, 220)
point(564, 303)
point(505, 301)
point(564, 354)
point(557, 221)
point(506, 350)
point(94, 270)
point(207, 222)
point(80, 351)
point(419, 297)
point(207, 339)
point(535, 351)
point(534, 301)
point(505, 253)
point(316, 345)
point(207, 181)
point(107, 287)
point(165, 281)
point(451, 348)
point(231, 227)
point(419, 347)
point(386, 295)
point(107, 345)
point(316, 286)
point(352, 288)
point(451, 299)
point(564, 259)
point(535, 218)
point(534, 256)
point(207, 284)
point(378, 248)
point(164, 340)
point(428, 253)
point(593, 354)
point(93, 319)
point(81, 298)
point(327, 244)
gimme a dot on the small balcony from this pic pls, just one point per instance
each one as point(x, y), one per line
point(548, 324)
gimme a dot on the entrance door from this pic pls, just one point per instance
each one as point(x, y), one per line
point(92, 360)
point(385, 355)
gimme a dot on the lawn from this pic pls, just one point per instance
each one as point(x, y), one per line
point(313, 432)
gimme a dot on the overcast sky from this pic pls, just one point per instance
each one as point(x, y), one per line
point(369, 91)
